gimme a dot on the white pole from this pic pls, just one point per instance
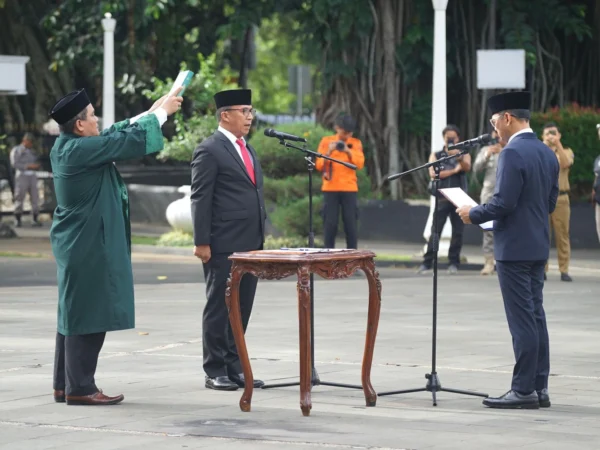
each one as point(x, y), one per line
point(439, 107)
point(108, 91)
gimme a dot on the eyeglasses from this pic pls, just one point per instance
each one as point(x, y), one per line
point(494, 120)
point(245, 111)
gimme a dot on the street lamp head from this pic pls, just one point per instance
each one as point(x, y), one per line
point(108, 23)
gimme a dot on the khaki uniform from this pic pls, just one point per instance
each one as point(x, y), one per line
point(560, 218)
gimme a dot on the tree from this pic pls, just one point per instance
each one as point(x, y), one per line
point(353, 44)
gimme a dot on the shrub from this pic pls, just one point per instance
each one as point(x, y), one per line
point(578, 128)
point(176, 239)
point(275, 243)
point(278, 161)
point(293, 220)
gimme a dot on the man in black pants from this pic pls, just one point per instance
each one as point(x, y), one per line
point(340, 184)
point(453, 174)
point(228, 212)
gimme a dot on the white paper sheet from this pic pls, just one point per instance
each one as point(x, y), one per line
point(459, 198)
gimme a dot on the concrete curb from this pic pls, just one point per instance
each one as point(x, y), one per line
point(399, 264)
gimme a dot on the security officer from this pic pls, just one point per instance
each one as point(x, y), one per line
point(24, 161)
point(559, 219)
point(525, 195)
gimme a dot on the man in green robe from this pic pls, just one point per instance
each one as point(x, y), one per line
point(91, 238)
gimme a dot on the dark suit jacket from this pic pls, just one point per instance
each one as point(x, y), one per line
point(228, 210)
point(525, 195)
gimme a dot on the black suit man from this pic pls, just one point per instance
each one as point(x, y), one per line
point(228, 214)
point(526, 193)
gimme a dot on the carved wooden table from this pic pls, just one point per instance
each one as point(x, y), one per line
point(278, 264)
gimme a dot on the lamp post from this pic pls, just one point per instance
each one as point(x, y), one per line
point(439, 106)
point(108, 87)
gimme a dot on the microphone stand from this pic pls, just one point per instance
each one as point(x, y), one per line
point(433, 384)
point(315, 380)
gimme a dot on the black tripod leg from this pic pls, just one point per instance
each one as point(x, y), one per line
point(460, 391)
point(434, 399)
point(342, 385)
point(405, 391)
point(269, 386)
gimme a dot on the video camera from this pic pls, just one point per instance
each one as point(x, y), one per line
point(341, 144)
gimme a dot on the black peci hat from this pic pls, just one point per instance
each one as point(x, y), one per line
point(233, 97)
point(69, 106)
point(508, 101)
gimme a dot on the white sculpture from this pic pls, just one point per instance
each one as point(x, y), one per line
point(179, 213)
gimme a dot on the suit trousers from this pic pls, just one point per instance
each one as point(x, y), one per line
point(522, 284)
point(75, 361)
point(26, 184)
point(446, 209)
point(348, 202)
point(559, 222)
point(220, 353)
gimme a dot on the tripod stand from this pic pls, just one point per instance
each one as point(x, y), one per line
point(433, 384)
point(315, 380)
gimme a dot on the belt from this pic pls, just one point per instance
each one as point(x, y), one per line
point(563, 192)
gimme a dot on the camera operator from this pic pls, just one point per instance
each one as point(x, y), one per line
point(561, 217)
point(487, 161)
point(453, 174)
point(340, 186)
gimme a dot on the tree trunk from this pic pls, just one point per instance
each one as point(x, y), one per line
point(391, 95)
point(243, 78)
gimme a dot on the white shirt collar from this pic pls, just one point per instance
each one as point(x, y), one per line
point(229, 135)
point(524, 130)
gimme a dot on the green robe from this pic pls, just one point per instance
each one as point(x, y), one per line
point(91, 230)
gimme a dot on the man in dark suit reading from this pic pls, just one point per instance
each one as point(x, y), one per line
point(525, 194)
point(228, 214)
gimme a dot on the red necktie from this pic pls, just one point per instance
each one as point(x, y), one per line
point(246, 158)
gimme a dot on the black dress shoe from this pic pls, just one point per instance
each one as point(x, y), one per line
point(514, 400)
point(220, 384)
point(240, 381)
point(565, 277)
point(544, 398)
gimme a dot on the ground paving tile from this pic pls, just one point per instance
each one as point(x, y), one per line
point(158, 366)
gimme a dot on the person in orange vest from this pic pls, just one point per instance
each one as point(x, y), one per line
point(340, 186)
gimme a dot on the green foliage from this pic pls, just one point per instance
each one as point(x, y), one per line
point(577, 126)
point(176, 239)
point(275, 243)
point(278, 161)
point(276, 49)
point(292, 219)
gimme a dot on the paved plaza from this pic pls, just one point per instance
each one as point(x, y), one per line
point(158, 367)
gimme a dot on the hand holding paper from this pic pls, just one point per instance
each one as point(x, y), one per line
point(460, 198)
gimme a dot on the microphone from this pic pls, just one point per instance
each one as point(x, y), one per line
point(481, 140)
point(279, 135)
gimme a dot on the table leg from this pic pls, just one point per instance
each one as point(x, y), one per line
point(305, 355)
point(372, 323)
point(232, 298)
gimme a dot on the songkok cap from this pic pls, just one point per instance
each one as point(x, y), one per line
point(346, 123)
point(233, 97)
point(69, 106)
point(508, 101)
